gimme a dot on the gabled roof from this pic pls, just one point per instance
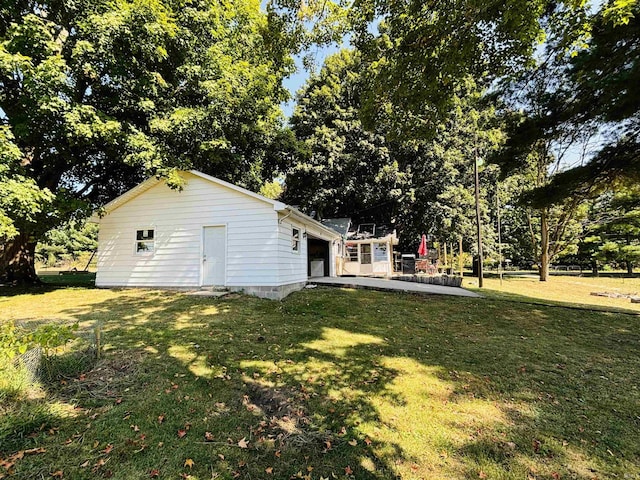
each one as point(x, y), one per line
point(153, 181)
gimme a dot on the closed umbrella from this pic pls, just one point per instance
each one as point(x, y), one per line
point(422, 251)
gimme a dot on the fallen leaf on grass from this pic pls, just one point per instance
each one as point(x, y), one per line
point(277, 454)
point(208, 436)
point(85, 464)
point(482, 474)
point(154, 473)
point(189, 463)
point(108, 449)
point(57, 474)
point(243, 443)
point(160, 418)
point(367, 441)
point(31, 451)
point(269, 470)
point(536, 444)
point(181, 433)
point(353, 442)
point(347, 470)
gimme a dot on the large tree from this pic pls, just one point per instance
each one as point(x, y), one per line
point(442, 173)
point(97, 94)
point(543, 140)
point(424, 50)
point(343, 169)
point(421, 186)
point(602, 72)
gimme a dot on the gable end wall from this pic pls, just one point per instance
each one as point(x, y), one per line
point(252, 238)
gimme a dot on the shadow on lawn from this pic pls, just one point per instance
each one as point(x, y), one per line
point(368, 384)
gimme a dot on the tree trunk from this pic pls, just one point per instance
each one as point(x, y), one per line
point(544, 246)
point(594, 268)
point(17, 261)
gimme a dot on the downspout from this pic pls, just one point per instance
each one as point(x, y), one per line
point(285, 217)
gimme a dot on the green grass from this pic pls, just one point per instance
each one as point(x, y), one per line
point(328, 382)
point(567, 290)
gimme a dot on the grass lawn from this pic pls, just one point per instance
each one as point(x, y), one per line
point(567, 290)
point(329, 383)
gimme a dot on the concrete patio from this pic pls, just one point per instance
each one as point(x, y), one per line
point(373, 283)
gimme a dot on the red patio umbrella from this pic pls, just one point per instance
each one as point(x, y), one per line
point(422, 250)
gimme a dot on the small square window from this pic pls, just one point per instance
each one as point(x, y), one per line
point(295, 239)
point(145, 241)
point(352, 252)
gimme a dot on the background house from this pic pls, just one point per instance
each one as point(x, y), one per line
point(367, 247)
point(211, 233)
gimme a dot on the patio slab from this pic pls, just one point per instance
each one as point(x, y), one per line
point(374, 283)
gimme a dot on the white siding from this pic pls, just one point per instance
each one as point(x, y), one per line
point(253, 238)
point(292, 265)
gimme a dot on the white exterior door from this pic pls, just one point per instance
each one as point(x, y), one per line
point(214, 256)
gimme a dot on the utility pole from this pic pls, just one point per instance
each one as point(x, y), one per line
point(478, 218)
point(460, 256)
point(499, 233)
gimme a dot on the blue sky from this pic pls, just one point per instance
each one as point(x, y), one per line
point(297, 80)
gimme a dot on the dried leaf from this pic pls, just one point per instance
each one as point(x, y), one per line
point(107, 450)
point(243, 443)
point(353, 442)
point(536, 445)
point(208, 436)
point(154, 473)
point(277, 454)
point(160, 418)
point(269, 470)
point(367, 441)
point(347, 470)
point(189, 463)
point(57, 474)
point(181, 433)
point(481, 474)
point(31, 451)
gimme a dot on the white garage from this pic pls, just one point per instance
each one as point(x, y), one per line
point(209, 234)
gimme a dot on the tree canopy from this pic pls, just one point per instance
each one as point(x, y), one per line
point(96, 95)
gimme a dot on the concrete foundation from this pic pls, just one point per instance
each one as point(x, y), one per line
point(272, 293)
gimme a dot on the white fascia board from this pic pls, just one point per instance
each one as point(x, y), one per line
point(308, 221)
